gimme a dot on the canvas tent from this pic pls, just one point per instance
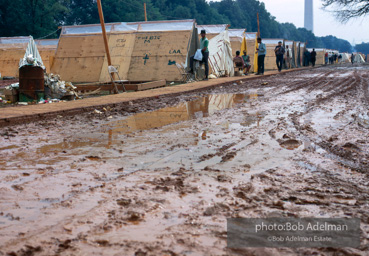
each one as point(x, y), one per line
point(141, 51)
point(236, 36)
point(270, 59)
point(345, 57)
point(220, 55)
point(359, 58)
point(12, 49)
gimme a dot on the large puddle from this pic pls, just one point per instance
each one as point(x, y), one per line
point(202, 107)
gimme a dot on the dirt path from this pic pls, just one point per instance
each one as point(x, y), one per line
point(161, 177)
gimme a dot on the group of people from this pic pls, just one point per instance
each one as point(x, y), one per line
point(331, 57)
point(283, 56)
point(244, 61)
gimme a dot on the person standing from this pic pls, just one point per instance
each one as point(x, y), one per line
point(279, 52)
point(352, 58)
point(306, 58)
point(326, 58)
point(261, 51)
point(204, 44)
point(313, 57)
point(288, 57)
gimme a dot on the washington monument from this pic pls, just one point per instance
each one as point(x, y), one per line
point(309, 17)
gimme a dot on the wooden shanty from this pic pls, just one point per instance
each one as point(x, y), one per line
point(236, 36)
point(320, 55)
point(302, 53)
point(12, 49)
point(270, 59)
point(296, 53)
point(141, 51)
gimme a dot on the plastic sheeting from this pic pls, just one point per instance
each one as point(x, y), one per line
point(31, 50)
point(47, 42)
point(220, 54)
point(165, 26)
point(272, 41)
point(174, 25)
point(316, 49)
point(14, 40)
point(212, 29)
point(251, 35)
point(236, 33)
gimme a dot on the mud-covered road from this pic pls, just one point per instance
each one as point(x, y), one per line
point(161, 177)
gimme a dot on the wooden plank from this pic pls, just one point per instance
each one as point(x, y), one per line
point(95, 86)
point(129, 87)
point(145, 86)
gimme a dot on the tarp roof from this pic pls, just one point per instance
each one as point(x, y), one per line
point(172, 25)
point(272, 41)
point(212, 29)
point(317, 49)
point(25, 40)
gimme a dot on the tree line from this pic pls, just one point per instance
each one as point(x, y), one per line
point(41, 18)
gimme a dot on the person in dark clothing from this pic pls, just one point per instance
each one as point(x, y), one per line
point(279, 52)
point(313, 57)
point(306, 58)
point(261, 51)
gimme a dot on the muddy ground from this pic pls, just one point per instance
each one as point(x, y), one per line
point(161, 177)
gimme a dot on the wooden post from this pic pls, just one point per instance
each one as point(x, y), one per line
point(258, 25)
point(145, 12)
point(106, 42)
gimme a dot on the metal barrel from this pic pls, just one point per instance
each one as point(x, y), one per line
point(31, 83)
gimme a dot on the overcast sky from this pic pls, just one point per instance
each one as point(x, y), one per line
point(356, 31)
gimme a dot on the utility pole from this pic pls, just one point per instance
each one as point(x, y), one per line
point(106, 42)
point(145, 12)
point(258, 25)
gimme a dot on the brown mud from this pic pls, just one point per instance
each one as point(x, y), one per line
point(162, 176)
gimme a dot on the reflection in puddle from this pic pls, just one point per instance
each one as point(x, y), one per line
point(196, 109)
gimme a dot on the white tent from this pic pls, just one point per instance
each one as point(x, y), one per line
point(345, 58)
point(358, 59)
point(220, 58)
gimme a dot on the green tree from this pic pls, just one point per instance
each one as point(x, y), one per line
point(363, 48)
point(31, 17)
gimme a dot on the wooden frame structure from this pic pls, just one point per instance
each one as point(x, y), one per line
point(140, 51)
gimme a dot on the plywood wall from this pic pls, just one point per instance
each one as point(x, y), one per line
point(9, 61)
point(156, 53)
point(270, 59)
point(79, 58)
point(320, 58)
point(296, 52)
point(10, 57)
point(121, 47)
